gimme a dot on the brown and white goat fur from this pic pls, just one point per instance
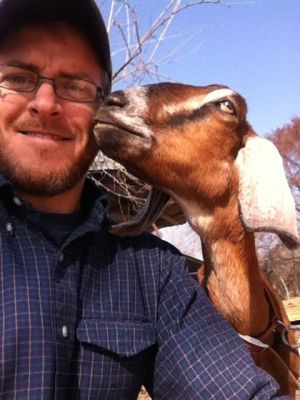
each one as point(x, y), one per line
point(194, 144)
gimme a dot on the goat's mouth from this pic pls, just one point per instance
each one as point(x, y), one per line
point(119, 142)
point(102, 126)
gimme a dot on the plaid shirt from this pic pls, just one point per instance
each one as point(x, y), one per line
point(101, 315)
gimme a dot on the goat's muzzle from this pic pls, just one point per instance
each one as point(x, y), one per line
point(120, 129)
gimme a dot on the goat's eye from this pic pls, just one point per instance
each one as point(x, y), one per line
point(227, 107)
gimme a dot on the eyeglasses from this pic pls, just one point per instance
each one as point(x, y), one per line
point(67, 88)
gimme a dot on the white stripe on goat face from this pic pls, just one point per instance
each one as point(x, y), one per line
point(197, 102)
point(136, 108)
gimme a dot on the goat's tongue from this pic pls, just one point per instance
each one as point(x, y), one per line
point(148, 214)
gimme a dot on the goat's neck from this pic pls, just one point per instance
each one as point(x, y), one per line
point(234, 284)
point(232, 275)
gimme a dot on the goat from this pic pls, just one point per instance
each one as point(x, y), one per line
point(194, 144)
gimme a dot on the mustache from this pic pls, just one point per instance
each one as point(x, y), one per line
point(53, 127)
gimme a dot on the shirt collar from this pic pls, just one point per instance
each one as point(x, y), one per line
point(94, 202)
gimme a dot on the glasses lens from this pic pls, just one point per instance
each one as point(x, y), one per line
point(18, 79)
point(76, 89)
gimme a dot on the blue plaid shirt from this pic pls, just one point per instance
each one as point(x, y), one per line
point(101, 315)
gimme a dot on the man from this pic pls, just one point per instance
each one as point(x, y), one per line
point(84, 314)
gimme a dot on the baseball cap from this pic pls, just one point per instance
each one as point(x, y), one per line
point(82, 14)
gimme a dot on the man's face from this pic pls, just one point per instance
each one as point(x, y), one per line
point(46, 145)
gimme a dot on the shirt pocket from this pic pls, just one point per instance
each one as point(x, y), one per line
point(116, 355)
point(125, 338)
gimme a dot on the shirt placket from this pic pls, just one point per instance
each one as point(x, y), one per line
point(66, 283)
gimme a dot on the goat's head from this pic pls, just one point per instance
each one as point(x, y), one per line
point(195, 144)
point(166, 132)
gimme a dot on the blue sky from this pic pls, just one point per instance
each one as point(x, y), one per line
point(252, 46)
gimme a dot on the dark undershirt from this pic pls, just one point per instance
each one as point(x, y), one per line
point(58, 226)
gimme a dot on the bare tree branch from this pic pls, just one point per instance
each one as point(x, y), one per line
point(140, 49)
point(163, 33)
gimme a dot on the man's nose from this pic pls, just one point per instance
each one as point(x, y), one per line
point(44, 101)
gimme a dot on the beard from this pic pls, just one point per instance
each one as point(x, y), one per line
point(37, 181)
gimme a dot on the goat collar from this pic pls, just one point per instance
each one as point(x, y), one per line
point(263, 341)
point(276, 326)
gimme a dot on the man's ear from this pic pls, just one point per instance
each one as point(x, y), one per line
point(265, 199)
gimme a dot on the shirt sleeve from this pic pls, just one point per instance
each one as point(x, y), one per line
point(200, 356)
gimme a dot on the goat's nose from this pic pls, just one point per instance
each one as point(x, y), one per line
point(116, 99)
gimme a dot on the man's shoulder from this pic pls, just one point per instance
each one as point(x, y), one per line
point(147, 242)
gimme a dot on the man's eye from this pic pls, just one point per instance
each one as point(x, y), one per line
point(16, 80)
point(76, 89)
point(75, 86)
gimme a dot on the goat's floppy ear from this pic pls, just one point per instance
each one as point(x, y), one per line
point(265, 199)
point(149, 213)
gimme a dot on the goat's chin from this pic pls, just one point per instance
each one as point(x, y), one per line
point(119, 144)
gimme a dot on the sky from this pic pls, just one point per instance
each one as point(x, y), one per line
point(252, 46)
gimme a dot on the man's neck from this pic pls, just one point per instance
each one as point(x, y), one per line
point(63, 203)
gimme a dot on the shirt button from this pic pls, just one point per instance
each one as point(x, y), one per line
point(17, 201)
point(61, 257)
point(9, 227)
point(65, 331)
